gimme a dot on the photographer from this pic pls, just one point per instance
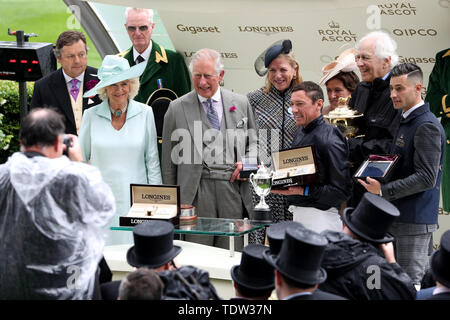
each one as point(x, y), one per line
point(52, 211)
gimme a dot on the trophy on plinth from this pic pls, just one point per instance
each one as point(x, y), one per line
point(262, 182)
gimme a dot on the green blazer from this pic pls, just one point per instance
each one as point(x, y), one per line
point(439, 99)
point(163, 64)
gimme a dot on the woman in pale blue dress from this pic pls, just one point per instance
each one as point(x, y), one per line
point(118, 137)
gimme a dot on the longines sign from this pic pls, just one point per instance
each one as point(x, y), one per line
point(265, 29)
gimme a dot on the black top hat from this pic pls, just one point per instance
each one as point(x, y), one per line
point(372, 218)
point(301, 256)
point(153, 245)
point(274, 51)
point(159, 100)
point(254, 272)
point(276, 233)
point(440, 261)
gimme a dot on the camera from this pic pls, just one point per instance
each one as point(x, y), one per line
point(68, 142)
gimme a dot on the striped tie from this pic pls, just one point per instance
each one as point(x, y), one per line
point(212, 115)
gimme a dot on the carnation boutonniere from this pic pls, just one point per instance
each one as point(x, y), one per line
point(232, 108)
point(90, 84)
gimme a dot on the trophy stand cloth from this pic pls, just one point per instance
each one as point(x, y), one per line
point(124, 156)
point(437, 97)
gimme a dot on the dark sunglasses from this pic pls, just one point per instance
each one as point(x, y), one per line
point(133, 28)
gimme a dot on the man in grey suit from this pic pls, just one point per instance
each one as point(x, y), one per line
point(206, 134)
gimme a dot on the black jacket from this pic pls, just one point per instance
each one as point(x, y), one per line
point(51, 91)
point(440, 296)
point(318, 295)
point(351, 267)
point(332, 159)
point(379, 123)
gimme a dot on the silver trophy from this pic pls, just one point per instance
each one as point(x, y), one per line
point(262, 182)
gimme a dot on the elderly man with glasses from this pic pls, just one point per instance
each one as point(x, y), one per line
point(165, 68)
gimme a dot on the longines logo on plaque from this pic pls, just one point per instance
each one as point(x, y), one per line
point(266, 29)
point(334, 33)
point(198, 29)
point(225, 55)
point(398, 9)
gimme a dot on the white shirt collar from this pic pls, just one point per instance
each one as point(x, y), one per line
point(68, 78)
point(407, 113)
point(386, 75)
point(145, 54)
point(217, 97)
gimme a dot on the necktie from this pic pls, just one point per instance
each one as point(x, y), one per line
point(74, 89)
point(212, 115)
point(139, 59)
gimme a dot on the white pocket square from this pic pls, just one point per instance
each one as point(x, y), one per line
point(90, 101)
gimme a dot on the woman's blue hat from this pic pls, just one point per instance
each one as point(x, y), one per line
point(113, 70)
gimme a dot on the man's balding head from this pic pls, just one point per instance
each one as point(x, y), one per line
point(41, 128)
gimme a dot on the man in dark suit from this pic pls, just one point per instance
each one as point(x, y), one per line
point(297, 266)
point(415, 186)
point(63, 89)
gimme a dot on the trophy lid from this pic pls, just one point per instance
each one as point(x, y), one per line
point(263, 171)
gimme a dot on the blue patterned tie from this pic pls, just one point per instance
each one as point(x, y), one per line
point(212, 115)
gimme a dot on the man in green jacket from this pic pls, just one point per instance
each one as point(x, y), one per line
point(165, 68)
point(439, 100)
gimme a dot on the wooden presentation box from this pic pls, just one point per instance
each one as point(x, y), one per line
point(293, 167)
point(152, 202)
point(379, 167)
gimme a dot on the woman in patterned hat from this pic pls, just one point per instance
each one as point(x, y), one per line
point(274, 120)
point(339, 78)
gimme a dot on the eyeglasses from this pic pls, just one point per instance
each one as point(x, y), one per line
point(141, 28)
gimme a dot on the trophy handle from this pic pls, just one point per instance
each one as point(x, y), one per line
point(251, 179)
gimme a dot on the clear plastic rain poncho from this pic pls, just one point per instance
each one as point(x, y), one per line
point(52, 214)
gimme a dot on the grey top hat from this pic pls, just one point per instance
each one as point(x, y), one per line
point(153, 245)
point(301, 256)
point(372, 218)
